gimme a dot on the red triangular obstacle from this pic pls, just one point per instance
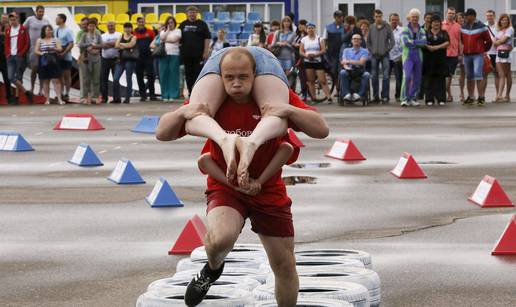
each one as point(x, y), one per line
point(407, 168)
point(294, 139)
point(190, 238)
point(489, 194)
point(78, 122)
point(506, 245)
point(345, 150)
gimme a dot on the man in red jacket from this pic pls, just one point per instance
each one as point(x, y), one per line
point(476, 40)
point(16, 46)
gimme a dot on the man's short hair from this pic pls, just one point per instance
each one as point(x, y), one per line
point(393, 15)
point(378, 12)
point(128, 25)
point(238, 52)
point(452, 8)
point(470, 12)
point(13, 14)
point(62, 16)
point(338, 13)
point(356, 34)
point(85, 19)
point(140, 18)
point(192, 8)
point(40, 7)
point(491, 11)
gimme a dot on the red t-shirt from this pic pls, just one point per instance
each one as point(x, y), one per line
point(242, 119)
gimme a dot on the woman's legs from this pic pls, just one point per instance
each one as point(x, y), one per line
point(501, 83)
point(46, 90)
point(57, 88)
point(174, 77)
point(321, 76)
point(508, 76)
point(163, 77)
point(310, 81)
point(462, 82)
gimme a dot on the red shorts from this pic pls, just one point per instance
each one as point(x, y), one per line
point(273, 220)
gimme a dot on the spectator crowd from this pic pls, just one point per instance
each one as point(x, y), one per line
point(421, 52)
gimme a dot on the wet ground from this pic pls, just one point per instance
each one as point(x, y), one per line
point(70, 237)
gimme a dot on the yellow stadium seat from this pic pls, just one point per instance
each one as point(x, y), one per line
point(151, 18)
point(134, 17)
point(119, 28)
point(77, 18)
point(180, 17)
point(163, 17)
point(122, 18)
point(103, 28)
point(108, 17)
point(97, 16)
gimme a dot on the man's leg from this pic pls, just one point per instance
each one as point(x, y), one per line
point(140, 68)
point(104, 77)
point(374, 73)
point(33, 61)
point(385, 78)
point(280, 252)
point(398, 71)
point(151, 77)
point(344, 82)
point(115, 67)
point(364, 83)
point(224, 226)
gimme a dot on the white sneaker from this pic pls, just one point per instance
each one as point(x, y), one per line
point(356, 97)
point(442, 103)
point(347, 97)
point(414, 103)
point(429, 103)
point(404, 104)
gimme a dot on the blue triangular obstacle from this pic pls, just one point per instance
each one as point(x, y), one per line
point(85, 156)
point(125, 173)
point(13, 141)
point(163, 196)
point(147, 124)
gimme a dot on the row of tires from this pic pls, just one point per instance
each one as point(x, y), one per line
point(327, 277)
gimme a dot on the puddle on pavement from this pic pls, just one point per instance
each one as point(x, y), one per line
point(437, 162)
point(293, 180)
point(310, 165)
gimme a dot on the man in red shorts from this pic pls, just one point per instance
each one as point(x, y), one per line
point(269, 210)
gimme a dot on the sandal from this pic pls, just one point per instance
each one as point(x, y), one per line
point(449, 99)
point(507, 99)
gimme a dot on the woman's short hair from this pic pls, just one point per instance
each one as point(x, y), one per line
point(414, 12)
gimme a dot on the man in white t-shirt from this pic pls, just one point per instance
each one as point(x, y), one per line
point(34, 24)
point(109, 63)
point(492, 29)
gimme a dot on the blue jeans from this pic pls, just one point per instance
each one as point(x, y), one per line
point(286, 64)
point(128, 67)
point(345, 81)
point(375, 70)
point(474, 66)
point(266, 63)
point(15, 68)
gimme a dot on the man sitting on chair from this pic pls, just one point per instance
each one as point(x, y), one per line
point(354, 80)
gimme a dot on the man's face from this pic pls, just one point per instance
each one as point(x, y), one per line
point(450, 15)
point(378, 18)
point(356, 40)
point(141, 23)
point(111, 27)
point(470, 18)
point(91, 27)
point(490, 17)
point(39, 13)
point(13, 21)
point(395, 21)
point(84, 24)
point(238, 76)
point(59, 21)
point(192, 15)
point(339, 19)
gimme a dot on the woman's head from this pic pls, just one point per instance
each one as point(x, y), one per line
point(47, 31)
point(504, 22)
point(170, 23)
point(460, 18)
point(128, 28)
point(413, 16)
point(258, 28)
point(310, 29)
point(221, 34)
point(364, 26)
point(275, 25)
point(301, 27)
point(286, 24)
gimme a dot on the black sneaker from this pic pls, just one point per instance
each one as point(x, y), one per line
point(142, 99)
point(12, 101)
point(127, 100)
point(469, 101)
point(481, 101)
point(200, 284)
